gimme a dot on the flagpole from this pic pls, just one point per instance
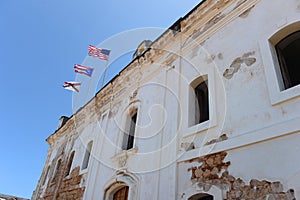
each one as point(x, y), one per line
point(105, 71)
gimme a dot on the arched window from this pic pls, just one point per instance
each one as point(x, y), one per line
point(121, 194)
point(201, 196)
point(128, 138)
point(287, 50)
point(87, 155)
point(281, 60)
point(70, 163)
point(56, 170)
point(46, 175)
point(199, 101)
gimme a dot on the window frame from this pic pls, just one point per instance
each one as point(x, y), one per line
point(271, 65)
point(46, 176)
point(132, 129)
point(194, 100)
point(69, 164)
point(129, 132)
point(56, 169)
point(284, 67)
point(87, 156)
point(188, 129)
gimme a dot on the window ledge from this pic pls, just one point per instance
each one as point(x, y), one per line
point(276, 130)
point(124, 153)
point(198, 128)
point(83, 171)
point(285, 95)
point(67, 177)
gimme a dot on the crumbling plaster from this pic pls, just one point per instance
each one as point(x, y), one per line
point(244, 116)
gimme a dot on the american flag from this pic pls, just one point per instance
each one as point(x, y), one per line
point(71, 85)
point(83, 70)
point(103, 54)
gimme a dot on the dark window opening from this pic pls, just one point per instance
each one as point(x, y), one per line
point(121, 194)
point(87, 155)
point(128, 139)
point(56, 170)
point(46, 175)
point(202, 103)
point(288, 53)
point(201, 197)
point(70, 163)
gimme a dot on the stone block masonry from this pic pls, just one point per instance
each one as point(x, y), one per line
point(69, 189)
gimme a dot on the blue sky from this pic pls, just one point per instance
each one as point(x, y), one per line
point(40, 42)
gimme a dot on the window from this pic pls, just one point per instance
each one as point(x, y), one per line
point(287, 51)
point(46, 175)
point(56, 170)
point(201, 197)
point(87, 155)
point(199, 108)
point(279, 50)
point(128, 138)
point(70, 163)
point(121, 194)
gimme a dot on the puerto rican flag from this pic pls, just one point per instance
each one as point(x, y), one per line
point(83, 70)
point(71, 85)
point(103, 54)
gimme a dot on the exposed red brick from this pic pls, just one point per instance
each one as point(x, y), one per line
point(213, 171)
point(68, 187)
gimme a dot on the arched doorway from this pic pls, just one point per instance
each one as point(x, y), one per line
point(121, 194)
point(201, 196)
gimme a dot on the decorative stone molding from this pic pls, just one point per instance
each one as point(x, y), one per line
point(133, 95)
point(122, 157)
point(121, 179)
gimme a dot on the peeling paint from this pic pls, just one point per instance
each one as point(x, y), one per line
point(237, 63)
point(220, 56)
point(210, 59)
point(208, 25)
point(220, 139)
point(213, 171)
point(187, 146)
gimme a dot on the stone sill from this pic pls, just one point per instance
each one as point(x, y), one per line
point(124, 153)
point(84, 171)
point(263, 134)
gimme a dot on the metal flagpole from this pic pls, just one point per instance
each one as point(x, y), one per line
point(105, 71)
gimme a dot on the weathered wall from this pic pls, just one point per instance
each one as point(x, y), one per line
point(247, 148)
point(68, 188)
point(252, 172)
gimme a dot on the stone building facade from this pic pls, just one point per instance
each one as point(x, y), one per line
point(10, 197)
point(209, 110)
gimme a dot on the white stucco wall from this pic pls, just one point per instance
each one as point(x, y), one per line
point(260, 122)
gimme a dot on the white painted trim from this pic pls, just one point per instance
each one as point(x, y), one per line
point(273, 82)
point(120, 180)
point(266, 133)
point(124, 153)
point(212, 122)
